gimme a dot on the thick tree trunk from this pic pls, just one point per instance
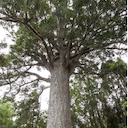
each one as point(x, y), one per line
point(59, 115)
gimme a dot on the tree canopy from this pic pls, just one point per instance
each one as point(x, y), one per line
point(76, 32)
point(101, 101)
point(73, 35)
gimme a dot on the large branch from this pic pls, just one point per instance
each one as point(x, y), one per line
point(85, 50)
point(38, 76)
point(75, 58)
point(11, 20)
point(32, 29)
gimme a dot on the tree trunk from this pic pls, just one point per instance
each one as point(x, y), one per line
point(59, 115)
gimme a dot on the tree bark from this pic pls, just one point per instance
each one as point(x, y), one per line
point(59, 115)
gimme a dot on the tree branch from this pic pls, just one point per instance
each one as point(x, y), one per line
point(125, 49)
point(39, 77)
point(43, 88)
point(31, 28)
point(46, 87)
point(68, 53)
point(18, 76)
point(40, 58)
point(8, 19)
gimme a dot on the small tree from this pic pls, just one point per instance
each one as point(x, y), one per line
point(28, 113)
point(6, 114)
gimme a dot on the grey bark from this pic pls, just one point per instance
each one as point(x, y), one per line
point(59, 115)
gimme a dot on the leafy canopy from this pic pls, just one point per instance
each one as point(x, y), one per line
point(78, 34)
point(100, 100)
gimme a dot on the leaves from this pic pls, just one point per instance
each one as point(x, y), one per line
point(99, 100)
point(6, 114)
point(114, 67)
point(80, 35)
point(4, 60)
point(28, 113)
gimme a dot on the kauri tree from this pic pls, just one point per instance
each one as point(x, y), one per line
point(64, 37)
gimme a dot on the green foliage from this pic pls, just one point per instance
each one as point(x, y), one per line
point(6, 114)
point(114, 67)
point(28, 113)
point(81, 34)
point(4, 60)
point(3, 45)
point(100, 101)
point(93, 28)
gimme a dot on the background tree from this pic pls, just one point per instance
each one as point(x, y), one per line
point(28, 112)
point(98, 100)
point(6, 114)
point(63, 37)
